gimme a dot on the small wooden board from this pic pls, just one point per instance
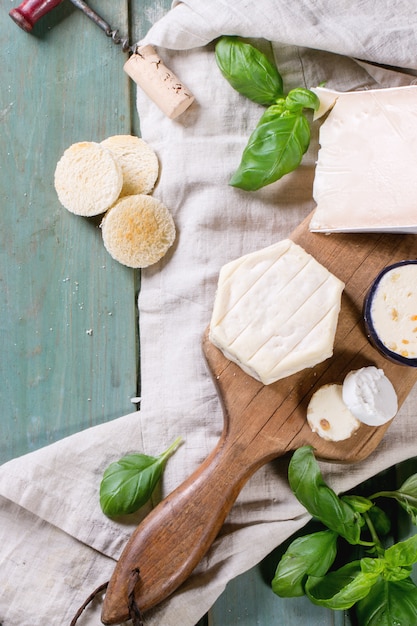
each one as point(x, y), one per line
point(355, 259)
point(260, 423)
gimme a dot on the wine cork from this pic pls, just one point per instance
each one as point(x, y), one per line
point(148, 71)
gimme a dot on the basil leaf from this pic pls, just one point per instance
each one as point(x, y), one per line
point(406, 495)
point(312, 554)
point(403, 553)
point(380, 520)
point(320, 500)
point(273, 150)
point(341, 589)
point(301, 98)
point(389, 603)
point(397, 573)
point(248, 70)
point(409, 489)
point(128, 483)
point(358, 503)
point(272, 112)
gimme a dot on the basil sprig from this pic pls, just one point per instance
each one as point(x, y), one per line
point(128, 483)
point(378, 585)
point(282, 136)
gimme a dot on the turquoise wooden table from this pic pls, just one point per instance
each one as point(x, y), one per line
point(69, 323)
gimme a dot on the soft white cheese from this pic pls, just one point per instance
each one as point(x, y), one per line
point(275, 311)
point(370, 396)
point(328, 415)
point(394, 310)
point(365, 179)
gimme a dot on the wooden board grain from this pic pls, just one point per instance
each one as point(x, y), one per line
point(260, 423)
point(356, 260)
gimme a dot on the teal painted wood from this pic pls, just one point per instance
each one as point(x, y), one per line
point(249, 601)
point(68, 312)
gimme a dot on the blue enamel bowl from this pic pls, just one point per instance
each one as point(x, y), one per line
point(371, 332)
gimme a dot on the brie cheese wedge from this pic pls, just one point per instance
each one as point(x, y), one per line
point(365, 178)
point(275, 311)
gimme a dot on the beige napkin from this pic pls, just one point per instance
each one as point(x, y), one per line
point(55, 544)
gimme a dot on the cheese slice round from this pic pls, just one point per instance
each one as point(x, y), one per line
point(370, 396)
point(328, 415)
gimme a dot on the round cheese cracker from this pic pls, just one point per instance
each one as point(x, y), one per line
point(138, 230)
point(139, 163)
point(88, 180)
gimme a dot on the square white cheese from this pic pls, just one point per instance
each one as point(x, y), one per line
point(275, 311)
point(366, 172)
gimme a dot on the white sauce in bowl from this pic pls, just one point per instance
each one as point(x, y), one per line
point(394, 310)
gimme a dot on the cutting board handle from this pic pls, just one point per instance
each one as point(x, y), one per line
point(175, 536)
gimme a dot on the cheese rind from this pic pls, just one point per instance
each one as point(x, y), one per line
point(365, 174)
point(275, 311)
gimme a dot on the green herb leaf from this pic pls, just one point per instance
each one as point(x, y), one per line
point(320, 500)
point(341, 589)
point(282, 135)
point(248, 70)
point(274, 149)
point(358, 503)
point(380, 520)
point(128, 483)
point(312, 554)
point(272, 112)
point(389, 603)
point(380, 587)
point(301, 98)
point(403, 553)
point(406, 495)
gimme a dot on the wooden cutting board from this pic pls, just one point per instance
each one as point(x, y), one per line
point(260, 423)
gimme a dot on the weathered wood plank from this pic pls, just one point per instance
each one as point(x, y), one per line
point(248, 600)
point(69, 319)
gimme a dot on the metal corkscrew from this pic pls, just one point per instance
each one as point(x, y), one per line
point(144, 65)
point(113, 33)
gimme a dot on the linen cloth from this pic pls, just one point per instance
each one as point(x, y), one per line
point(55, 544)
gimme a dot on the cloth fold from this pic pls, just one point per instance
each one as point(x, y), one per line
point(384, 35)
point(55, 542)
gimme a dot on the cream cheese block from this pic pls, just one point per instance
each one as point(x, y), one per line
point(275, 311)
point(365, 177)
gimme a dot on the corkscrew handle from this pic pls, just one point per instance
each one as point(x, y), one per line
point(30, 11)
